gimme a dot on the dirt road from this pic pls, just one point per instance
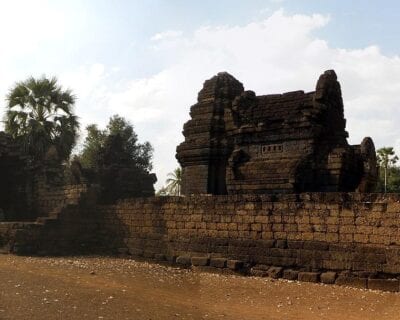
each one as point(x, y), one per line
point(112, 288)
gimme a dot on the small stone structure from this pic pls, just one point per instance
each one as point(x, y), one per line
point(237, 142)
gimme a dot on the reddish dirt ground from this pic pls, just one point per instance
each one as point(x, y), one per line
point(113, 288)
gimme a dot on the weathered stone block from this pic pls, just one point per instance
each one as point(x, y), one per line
point(328, 277)
point(308, 276)
point(295, 244)
point(258, 273)
point(136, 252)
point(148, 254)
point(218, 262)
point(262, 267)
point(184, 260)
point(391, 285)
point(123, 250)
point(159, 257)
point(200, 261)
point(170, 258)
point(315, 245)
point(281, 244)
point(355, 282)
point(275, 272)
point(235, 264)
point(290, 274)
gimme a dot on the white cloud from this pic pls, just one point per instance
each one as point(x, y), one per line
point(20, 36)
point(166, 35)
point(90, 86)
point(25, 24)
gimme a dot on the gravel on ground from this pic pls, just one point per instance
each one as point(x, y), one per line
point(119, 288)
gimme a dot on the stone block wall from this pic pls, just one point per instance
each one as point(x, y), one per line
point(49, 200)
point(324, 231)
point(68, 225)
point(309, 232)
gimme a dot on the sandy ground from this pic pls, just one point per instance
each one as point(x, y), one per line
point(113, 288)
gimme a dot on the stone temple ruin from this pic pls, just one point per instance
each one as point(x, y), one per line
point(240, 143)
point(281, 177)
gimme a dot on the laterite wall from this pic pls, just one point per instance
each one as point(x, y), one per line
point(329, 231)
point(49, 200)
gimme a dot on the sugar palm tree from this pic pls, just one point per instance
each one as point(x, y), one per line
point(39, 114)
point(386, 157)
point(174, 182)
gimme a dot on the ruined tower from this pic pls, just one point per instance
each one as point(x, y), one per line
point(238, 142)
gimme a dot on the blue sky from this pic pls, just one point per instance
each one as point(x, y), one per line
point(146, 60)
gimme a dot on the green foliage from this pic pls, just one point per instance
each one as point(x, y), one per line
point(117, 161)
point(117, 145)
point(162, 192)
point(174, 183)
point(386, 157)
point(393, 180)
point(94, 141)
point(39, 114)
point(389, 174)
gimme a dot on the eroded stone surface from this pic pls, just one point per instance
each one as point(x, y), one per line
point(350, 281)
point(328, 277)
point(309, 276)
point(238, 142)
point(384, 284)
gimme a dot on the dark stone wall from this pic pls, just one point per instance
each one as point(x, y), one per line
point(67, 224)
point(28, 192)
point(240, 143)
point(349, 233)
point(331, 231)
point(15, 187)
point(50, 200)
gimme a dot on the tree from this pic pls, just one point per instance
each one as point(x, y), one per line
point(120, 133)
point(386, 159)
point(39, 114)
point(117, 161)
point(94, 141)
point(393, 179)
point(162, 192)
point(174, 182)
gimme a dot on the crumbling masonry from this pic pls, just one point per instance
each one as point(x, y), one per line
point(264, 152)
point(240, 143)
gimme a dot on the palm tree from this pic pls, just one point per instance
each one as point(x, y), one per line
point(174, 182)
point(39, 114)
point(386, 157)
point(162, 192)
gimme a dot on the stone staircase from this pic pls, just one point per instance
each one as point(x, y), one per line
point(66, 229)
